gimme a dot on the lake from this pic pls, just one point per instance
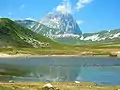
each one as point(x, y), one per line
point(102, 71)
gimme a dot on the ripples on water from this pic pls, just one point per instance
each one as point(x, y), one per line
point(98, 70)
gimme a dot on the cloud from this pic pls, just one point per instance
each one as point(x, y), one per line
point(29, 18)
point(82, 3)
point(79, 22)
point(9, 13)
point(64, 7)
point(22, 6)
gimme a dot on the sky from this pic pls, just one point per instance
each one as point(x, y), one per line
point(91, 15)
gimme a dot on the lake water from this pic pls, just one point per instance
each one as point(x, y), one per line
point(102, 71)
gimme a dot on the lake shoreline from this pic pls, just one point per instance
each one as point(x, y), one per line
point(3, 55)
point(58, 85)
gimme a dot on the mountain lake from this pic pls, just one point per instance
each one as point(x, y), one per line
point(102, 71)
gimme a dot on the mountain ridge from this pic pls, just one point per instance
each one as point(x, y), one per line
point(63, 28)
point(86, 37)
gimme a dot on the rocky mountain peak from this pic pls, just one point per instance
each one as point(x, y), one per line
point(65, 23)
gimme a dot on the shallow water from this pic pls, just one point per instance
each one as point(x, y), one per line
point(103, 71)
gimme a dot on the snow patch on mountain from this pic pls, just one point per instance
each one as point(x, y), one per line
point(65, 35)
point(108, 35)
point(116, 35)
point(93, 37)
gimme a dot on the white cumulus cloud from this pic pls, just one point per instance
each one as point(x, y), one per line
point(64, 7)
point(67, 7)
point(82, 3)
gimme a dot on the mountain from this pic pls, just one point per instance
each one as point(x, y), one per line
point(54, 26)
point(74, 39)
point(102, 37)
point(37, 27)
point(110, 35)
point(14, 35)
point(64, 29)
point(59, 27)
point(65, 23)
point(50, 32)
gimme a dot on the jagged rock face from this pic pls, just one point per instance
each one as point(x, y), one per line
point(64, 23)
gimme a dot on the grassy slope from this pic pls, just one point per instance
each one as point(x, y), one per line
point(10, 33)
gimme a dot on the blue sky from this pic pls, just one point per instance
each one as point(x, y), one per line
point(92, 15)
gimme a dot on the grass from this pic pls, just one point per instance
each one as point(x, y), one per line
point(14, 35)
point(66, 50)
point(5, 88)
point(59, 86)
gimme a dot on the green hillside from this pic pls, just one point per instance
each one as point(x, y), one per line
point(15, 35)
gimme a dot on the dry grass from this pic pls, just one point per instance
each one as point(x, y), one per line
point(57, 86)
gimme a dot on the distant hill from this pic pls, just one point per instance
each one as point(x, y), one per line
point(102, 37)
point(110, 35)
point(14, 35)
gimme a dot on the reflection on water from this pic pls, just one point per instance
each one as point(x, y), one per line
point(98, 70)
point(105, 75)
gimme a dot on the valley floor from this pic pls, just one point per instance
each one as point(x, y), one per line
point(61, 52)
point(55, 86)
